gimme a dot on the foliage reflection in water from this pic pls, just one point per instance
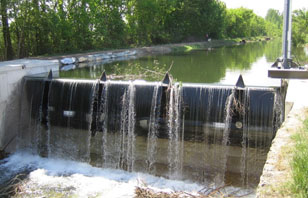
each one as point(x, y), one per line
point(199, 66)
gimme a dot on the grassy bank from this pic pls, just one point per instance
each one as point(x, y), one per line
point(299, 162)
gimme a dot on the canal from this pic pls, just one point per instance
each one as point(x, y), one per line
point(214, 65)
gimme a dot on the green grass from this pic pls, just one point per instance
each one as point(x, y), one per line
point(299, 163)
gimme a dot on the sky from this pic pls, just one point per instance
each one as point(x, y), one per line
point(260, 7)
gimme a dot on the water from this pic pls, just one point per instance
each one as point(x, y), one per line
point(104, 122)
point(50, 177)
point(153, 128)
point(127, 131)
point(219, 65)
point(175, 133)
point(71, 123)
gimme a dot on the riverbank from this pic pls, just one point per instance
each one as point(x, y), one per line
point(115, 54)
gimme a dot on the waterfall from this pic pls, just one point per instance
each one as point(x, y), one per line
point(220, 180)
point(145, 127)
point(175, 146)
point(208, 114)
point(153, 128)
point(69, 119)
point(103, 121)
point(245, 140)
point(29, 135)
point(127, 131)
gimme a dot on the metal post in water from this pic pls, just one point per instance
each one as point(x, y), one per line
point(287, 30)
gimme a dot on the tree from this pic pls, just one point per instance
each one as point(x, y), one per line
point(300, 27)
point(239, 22)
point(108, 27)
point(274, 21)
point(275, 17)
point(38, 27)
point(8, 49)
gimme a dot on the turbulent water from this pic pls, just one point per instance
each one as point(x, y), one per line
point(50, 177)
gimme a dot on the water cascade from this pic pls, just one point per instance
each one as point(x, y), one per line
point(127, 131)
point(153, 128)
point(204, 133)
point(175, 132)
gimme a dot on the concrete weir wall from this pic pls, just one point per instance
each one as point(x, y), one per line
point(11, 74)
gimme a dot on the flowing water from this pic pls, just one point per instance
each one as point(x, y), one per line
point(153, 129)
point(208, 134)
point(127, 131)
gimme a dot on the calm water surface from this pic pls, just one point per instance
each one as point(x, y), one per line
point(219, 65)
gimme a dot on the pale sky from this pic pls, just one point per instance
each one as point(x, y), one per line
point(260, 7)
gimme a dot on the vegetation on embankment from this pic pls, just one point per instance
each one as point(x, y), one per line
point(40, 27)
point(213, 43)
point(163, 49)
point(299, 163)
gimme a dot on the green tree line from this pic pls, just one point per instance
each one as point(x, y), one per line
point(40, 27)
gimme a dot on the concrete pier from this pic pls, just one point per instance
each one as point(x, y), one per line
point(11, 73)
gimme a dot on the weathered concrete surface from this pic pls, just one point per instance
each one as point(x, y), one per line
point(277, 168)
point(11, 73)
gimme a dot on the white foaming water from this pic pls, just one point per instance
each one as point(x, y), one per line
point(82, 180)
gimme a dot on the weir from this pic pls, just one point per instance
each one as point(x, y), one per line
point(201, 132)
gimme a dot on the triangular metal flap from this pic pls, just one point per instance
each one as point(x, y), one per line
point(49, 76)
point(103, 76)
point(167, 79)
point(240, 82)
